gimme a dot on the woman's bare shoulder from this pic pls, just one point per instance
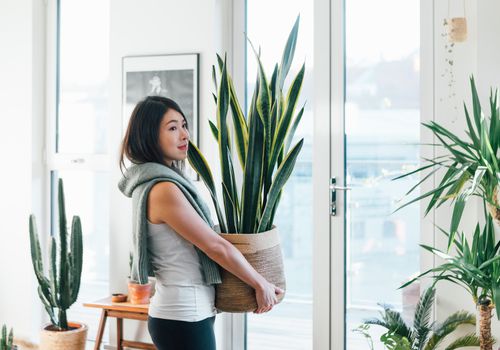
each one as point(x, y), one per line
point(163, 198)
point(165, 191)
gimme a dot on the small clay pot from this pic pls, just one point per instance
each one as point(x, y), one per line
point(139, 293)
point(118, 298)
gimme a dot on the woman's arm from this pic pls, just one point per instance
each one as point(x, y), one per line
point(167, 204)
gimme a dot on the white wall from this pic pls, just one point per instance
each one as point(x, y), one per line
point(154, 27)
point(21, 98)
point(488, 50)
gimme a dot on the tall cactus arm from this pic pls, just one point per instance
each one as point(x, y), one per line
point(53, 272)
point(76, 257)
point(36, 258)
point(10, 341)
point(48, 306)
point(63, 290)
point(3, 338)
point(36, 252)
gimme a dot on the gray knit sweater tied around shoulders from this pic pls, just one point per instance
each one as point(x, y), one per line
point(136, 183)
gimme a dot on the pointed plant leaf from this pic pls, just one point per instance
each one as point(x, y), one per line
point(200, 165)
point(288, 53)
point(279, 181)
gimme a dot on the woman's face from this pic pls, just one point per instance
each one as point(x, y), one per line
point(174, 137)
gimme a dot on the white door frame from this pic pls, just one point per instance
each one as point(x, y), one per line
point(337, 168)
point(328, 280)
point(234, 324)
point(329, 161)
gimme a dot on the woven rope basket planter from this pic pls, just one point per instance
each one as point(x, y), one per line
point(263, 252)
point(74, 339)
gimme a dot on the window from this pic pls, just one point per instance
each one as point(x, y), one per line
point(76, 143)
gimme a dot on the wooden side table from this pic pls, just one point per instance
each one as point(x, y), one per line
point(120, 311)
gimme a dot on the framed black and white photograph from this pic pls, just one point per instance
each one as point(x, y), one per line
point(172, 76)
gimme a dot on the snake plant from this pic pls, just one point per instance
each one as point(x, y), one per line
point(59, 290)
point(471, 165)
point(262, 144)
point(6, 340)
point(422, 334)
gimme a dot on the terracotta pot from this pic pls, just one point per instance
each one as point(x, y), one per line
point(74, 339)
point(139, 293)
point(263, 252)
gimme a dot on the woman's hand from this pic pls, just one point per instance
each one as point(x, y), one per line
point(266, 296)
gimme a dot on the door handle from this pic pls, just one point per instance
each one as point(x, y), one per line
point(333, 195)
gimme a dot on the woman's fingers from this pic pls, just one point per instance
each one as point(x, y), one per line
point(267, 298)
point(264, 309)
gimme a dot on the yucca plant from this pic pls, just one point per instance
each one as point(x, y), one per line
point(476, 268)
point(262, 144)
point(7, 340)
point(471, 166)
point(422, 334)
point(60, 290)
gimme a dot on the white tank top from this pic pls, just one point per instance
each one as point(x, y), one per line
point(180, 292)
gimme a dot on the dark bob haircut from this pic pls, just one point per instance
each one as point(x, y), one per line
point(141, 142)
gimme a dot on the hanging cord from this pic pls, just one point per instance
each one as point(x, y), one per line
point(449, 7)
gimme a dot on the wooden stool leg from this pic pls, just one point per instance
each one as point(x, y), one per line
point(100, 331)
point(119, 333)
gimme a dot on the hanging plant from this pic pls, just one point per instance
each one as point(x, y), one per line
point(457, 30)
point(454, 31)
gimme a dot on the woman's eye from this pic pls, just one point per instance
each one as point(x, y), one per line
point(173, 128)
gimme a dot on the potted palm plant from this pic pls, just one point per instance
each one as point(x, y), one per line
point(422, 334)
point(7, 340)
point(60, 289)
point(471, 166)
point(476, 268)
point(263, 141)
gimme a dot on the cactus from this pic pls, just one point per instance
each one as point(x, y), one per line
point(60, 290)
point(6, 340)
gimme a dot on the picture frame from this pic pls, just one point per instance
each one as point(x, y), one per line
point(174, 76)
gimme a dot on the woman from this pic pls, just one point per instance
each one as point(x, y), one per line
point(180, 242)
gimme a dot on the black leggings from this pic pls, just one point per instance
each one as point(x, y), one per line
point(182, 335)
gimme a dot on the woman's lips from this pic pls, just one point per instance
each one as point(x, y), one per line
point(183, 148)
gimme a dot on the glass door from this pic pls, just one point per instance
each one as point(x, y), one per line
point(345, 251)
point(381, 134)
point(367, 123)
point(290, 324)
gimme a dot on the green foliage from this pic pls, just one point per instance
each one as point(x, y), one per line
point(475, 267)
point(60, 290)
point(363, 329)
point(422, 335)
point(262, 144)
point(471, 166)
point(6, 340)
